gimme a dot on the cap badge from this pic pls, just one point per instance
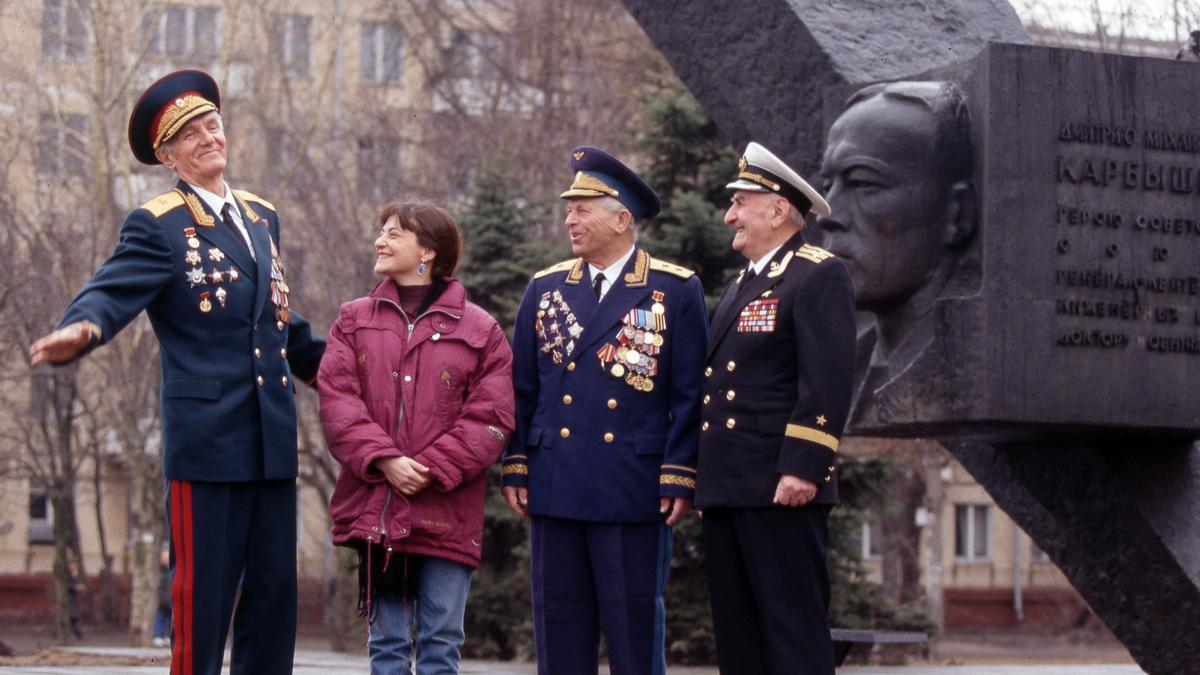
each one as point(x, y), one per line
point(742, 164)
point(179, 103)
point(578, 155)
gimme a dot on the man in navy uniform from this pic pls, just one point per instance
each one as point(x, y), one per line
point(608, 349)
point(203, 261)
point(778, 378)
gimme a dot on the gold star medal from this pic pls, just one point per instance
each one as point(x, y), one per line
point(205, 303)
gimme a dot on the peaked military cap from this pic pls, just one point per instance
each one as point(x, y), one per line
point(599, 174)
point(166, 106)
point(761, 171)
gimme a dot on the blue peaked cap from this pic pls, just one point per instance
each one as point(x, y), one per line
point(599, 174)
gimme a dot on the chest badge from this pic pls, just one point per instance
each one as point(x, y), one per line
point(758, 316)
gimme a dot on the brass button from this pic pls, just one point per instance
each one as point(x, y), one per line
point(708, 371)
point(260, 380)
point(729, 395)
point(612, 404)
point(831, 468)
point(279, 325)
point(827, 479)
point(704, 427)
point(285, 380)
point(707, 398)
point(283, 352)
point(571, 366)
point(730, 366)
point(608, 437)
point(257, 353)
point(565, 432)
point(730, 423)
point(567, 399)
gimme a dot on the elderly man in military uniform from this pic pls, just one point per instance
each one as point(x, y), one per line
point(778, 379)
point(608, 349)
point(203, 261)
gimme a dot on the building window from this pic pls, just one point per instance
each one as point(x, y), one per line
point(41, 517)
point(182, 32)
point(872, 540)
point(378, 168)
point(972, 532)
point(294, 42)
point(64, 30)
point(473, 54)
point(382, 59)
point(62, 146)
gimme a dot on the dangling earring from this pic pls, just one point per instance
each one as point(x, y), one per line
point(421, 270)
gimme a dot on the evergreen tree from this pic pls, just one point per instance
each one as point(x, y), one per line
point(689, 165)
point(499, 254)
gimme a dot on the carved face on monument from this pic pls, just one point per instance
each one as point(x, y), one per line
point(896, 172)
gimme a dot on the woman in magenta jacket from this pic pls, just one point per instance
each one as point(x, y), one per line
point(416, 402)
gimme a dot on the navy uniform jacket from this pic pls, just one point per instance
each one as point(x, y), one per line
point(778, 379)
point(608, 394)
point(229, 356)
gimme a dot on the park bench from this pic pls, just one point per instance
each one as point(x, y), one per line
point(844, 639)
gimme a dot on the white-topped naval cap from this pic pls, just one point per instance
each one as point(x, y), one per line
point(761, 171)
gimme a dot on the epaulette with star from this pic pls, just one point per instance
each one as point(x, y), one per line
point(670, 268)
point(813, 254)
point(558, 267)
point(168, 201)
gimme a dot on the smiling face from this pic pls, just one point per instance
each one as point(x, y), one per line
point(759, 222)
point(398, 254)
point(196, 153)
point(598, 234)
point(888, 198)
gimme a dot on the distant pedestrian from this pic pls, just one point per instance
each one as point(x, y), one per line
point(162, 616)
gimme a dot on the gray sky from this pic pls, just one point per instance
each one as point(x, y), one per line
point(1142, 18)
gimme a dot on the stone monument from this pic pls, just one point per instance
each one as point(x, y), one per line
point(1042, 318)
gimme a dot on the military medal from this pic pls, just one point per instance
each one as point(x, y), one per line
point(233, 274)
point(618, 370)
point(192, 257)
point(192, 241)
point(205, 303)
point(657, 307)
point(216, 255)
point(216, 276)
point(195, 276)
point(221, 297)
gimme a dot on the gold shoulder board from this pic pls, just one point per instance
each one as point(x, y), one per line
point(813, 254)
point(560, 267)
point(251, 197)
point(163, 203)
point(670, 268)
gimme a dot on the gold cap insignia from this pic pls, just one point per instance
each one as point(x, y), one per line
point(742, 164)
point(578, 155)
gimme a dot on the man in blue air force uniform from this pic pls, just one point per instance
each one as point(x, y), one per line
point(203, 261)
point(777, 386)
point(608, 350)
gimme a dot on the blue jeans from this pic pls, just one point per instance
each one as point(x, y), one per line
point(439, 608)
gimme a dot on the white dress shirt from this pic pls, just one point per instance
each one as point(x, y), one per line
point(217, 203)
point(610, 273)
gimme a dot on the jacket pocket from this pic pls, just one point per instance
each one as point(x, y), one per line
point(192, 387)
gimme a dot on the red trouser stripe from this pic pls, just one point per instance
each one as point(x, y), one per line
point(181, 589)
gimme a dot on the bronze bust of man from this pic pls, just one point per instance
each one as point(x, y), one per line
point(897, 172)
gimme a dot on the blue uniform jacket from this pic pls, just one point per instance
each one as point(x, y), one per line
point(608, 393)
point(229, 346)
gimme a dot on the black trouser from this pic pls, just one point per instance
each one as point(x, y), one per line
point(226, 538)
point(769, 589)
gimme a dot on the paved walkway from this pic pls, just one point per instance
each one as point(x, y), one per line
point(330, 663)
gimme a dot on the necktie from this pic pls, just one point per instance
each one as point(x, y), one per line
point(596, 282)
point(748, 276)
point(227, 218)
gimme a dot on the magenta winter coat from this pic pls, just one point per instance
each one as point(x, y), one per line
point(438, 390)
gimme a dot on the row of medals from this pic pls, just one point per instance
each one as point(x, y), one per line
point(197, 277)
point(634, 354)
